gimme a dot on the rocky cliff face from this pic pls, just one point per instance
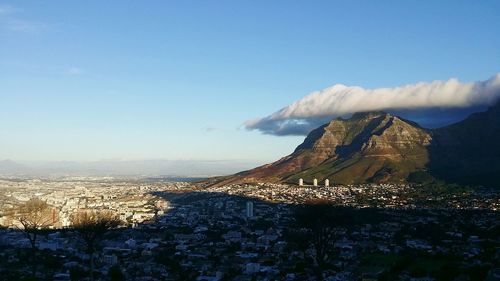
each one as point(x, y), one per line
point(366, 147)
point(380, 147)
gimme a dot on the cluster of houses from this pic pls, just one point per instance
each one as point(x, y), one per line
point(207, 235)
point(133, 202)
point(249, 232)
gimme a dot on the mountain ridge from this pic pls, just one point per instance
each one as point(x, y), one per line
point(380, 147)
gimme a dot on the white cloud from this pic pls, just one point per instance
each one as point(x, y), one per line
point(340, 100)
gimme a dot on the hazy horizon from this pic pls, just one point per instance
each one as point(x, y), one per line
point(114, 167)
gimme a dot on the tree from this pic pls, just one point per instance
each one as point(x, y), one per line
point(91, 227)
point(34, 216)
point(322, 220)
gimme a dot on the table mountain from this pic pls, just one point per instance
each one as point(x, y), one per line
point(380, 147)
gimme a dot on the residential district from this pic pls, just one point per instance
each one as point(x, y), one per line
point(185, 231)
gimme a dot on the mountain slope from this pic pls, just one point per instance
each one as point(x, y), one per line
point(468, 151)
point(374, 146)
point(380, 147)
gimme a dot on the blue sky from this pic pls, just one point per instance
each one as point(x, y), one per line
point(91, 80)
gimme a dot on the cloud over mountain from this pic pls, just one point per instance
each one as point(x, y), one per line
point(446, 100)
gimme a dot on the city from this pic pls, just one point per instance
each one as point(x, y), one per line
point(257, 140)
point(187, 231)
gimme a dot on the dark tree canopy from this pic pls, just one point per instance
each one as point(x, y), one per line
point(91, 227)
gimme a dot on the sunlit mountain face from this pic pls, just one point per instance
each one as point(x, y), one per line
point(377, 147)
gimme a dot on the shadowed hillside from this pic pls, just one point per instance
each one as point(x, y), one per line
point(468, 152)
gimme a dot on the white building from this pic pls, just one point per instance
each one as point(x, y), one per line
point(327, 183)
point(315, 182)
point(249, 210)
point(301, 182)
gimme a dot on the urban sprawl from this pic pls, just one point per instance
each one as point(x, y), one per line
point(186, 231)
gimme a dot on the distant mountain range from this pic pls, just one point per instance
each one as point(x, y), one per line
point(377, 147)
point(148, 168)
point(9, 167)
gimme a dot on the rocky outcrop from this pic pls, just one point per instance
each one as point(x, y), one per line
point(365, 147)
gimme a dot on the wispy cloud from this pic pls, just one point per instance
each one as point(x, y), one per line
point(209, 129)
point(11, 20)
point(314, 109)
point(74, 71)
point(25, 26)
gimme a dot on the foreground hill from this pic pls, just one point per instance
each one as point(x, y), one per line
point(380, 147)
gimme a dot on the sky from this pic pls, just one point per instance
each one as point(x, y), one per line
point(188, 80)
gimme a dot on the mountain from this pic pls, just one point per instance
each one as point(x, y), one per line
point(152, 167)
point(380, 147)
point(8, 166)
point(468, 151)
